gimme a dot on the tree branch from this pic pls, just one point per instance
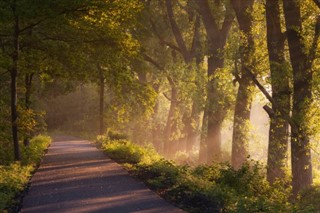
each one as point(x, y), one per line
point(313, 49)
point(170, 99)
point(194, 45)
point(5, 72)
point(227, 22)
point(209, 21)
point(275, 105)
point(269, 111)
point(63, 12)
point(317, 2)
point(172, 46)
point(177, 33)
point(153, 62)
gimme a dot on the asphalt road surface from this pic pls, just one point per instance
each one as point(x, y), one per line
point(74, 176)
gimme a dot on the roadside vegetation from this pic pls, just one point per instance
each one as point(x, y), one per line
point(14, 176)
point(204, 188)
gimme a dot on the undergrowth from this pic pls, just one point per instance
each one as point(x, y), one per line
point(215, 188)
point(14, 176)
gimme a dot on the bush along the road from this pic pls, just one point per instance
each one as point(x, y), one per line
point(215, 188)
point(14, 176)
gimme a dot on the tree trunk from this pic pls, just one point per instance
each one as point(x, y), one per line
point(278, 132)
point(203, 137)
point(14, 75)
point(101, 102)
point(240, 138)
point(170, 121)
point(28, 84)
point(302, 94)
point(192, 128)
point(156, 140)
point(241, 123)
point(216, 111)
point(216, 39)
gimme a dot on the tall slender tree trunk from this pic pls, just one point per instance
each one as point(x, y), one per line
point(203, 137)
point(194, 123)
point(156, 140)
point(278, 132)
point(192, 127)
point(28, 85)
point(190, 130)
point(216, 112)
point(101, 101)
point(302, 98)
point(14, 75)
point(168, 146)
point(241, 123)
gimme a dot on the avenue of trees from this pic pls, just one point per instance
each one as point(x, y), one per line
point(172, 73)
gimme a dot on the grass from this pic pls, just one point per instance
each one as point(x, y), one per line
point(216, 188)
point(14, 176)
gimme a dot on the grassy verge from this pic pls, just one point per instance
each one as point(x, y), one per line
point(14, 176)
point(216, 188)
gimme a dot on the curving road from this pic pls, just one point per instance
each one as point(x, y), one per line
point(76, 177)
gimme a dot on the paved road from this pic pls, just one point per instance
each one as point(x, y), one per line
point(76, 177)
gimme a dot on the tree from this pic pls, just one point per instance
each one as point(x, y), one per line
point(191, 120)
point(178, 31)
point(243, 11)
point(279, 127)
point(216, 41)
point(301, 61)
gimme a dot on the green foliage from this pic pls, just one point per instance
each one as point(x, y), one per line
point(160, 175)
point(30, 122)
point(123, 151)
point(13, 179)
point(113, 135)
point(309, 200)
point(32, 154)
point(216, 188)
point(15, 176)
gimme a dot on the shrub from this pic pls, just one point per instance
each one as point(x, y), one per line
point(15, 176)
point(159, 175)
point(12, 180)
point(123, 151)
point(33, 153)
point(215, 188)
point(113, 135)
point(309, 200)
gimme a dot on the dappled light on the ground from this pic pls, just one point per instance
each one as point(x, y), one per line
point(75, 176)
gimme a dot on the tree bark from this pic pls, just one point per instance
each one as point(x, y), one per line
point(194, 125)
point(177, 33)
point(203, 137)
point(28, 85)
point(192, 128)
point(168, 148)
point(215, 113)
point(101, 101)
point(156, 139)
point(14, 75)
point(302, 95)
point(216, 38)
point(278, 132)
point(240, 138)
